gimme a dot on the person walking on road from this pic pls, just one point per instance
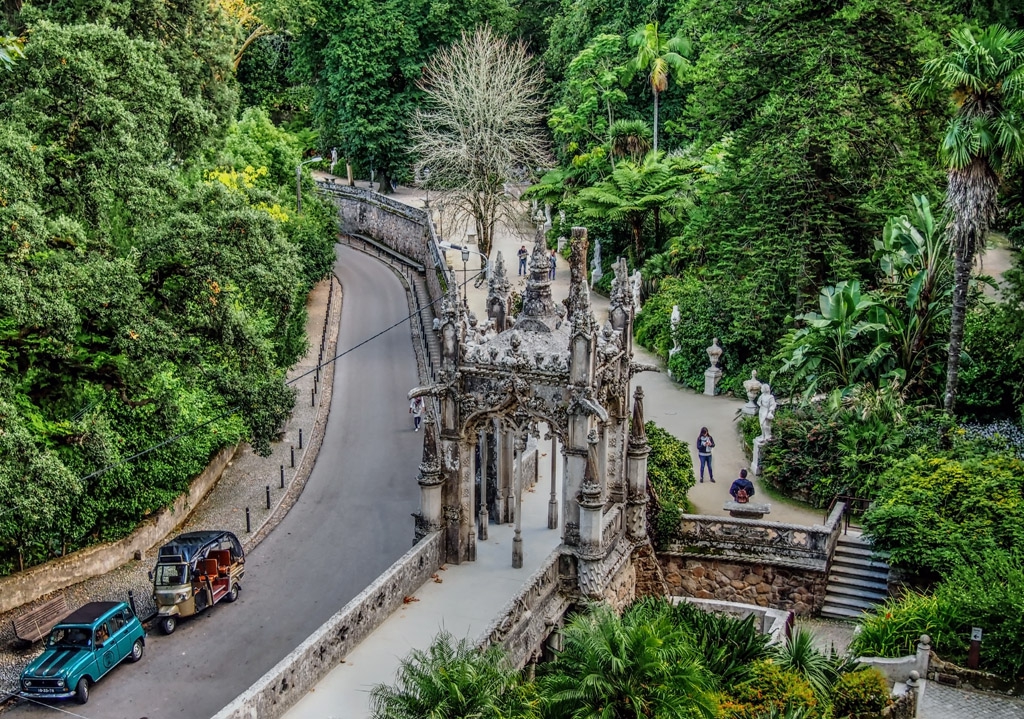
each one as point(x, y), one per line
point(523, 254)
point(705, 443)
point(416, 408)
point(742, 489)
point(552, 265)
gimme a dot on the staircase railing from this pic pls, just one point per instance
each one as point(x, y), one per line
point(851, 505)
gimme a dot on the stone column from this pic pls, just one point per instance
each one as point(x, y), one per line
point(591, 504)
point(553, 502)
point(467, 480)
point(482, 517)
point(506, 459)
point(517, 540)
point(636, 472)
point(430, 479)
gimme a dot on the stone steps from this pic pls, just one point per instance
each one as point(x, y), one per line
point(857, 581)
point(430, 339)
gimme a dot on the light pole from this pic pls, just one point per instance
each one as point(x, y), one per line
point(298, 182)
point(426, 187)
point(465, 281)
point(466, 250)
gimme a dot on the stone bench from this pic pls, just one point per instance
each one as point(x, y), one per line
point(747, 510)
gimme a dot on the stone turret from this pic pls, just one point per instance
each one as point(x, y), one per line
point(636, 471)
point(538, 313)
point(430, 479)
point(497, 295)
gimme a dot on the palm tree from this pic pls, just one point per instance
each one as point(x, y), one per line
point(452, 680)
point(639, 665)
point(633, 191)
point(662, 57)
point(983, 75)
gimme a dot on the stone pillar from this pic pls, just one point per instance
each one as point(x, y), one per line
point(517, 539)
point(482, 517)
point(553, 502)
point(467, 518)
point(506, 459)
point(591, 504)
point(636, 472)
point(430, 479)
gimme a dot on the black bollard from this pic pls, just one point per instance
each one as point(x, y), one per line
point(293, 455)
point(300, 437)
point(248, 526)
point(131, 602)
point(268, 496)
point(312, 397)
point(282, 476)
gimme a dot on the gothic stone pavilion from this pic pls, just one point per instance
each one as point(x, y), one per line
point(552, 372)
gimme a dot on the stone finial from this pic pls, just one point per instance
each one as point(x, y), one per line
point(579, 293)
point(714, 352)
point(637, 432)
point(538, 313)
point(430, 465)
point(752, 387)
point(620, 284)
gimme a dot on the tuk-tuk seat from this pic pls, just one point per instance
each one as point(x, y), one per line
point(210, 568)
point(223, 558)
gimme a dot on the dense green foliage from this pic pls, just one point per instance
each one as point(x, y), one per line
point(989, 595)
point(936, 513)
point(670, 474)
point(863, 693)
point(155, 271)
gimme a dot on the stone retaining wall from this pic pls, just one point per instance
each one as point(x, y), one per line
point(801, 591)
point(35, 582)
point(295, 675)
point(776, 623)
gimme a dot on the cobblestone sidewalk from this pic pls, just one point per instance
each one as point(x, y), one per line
point(242, 485)
point(942, 702)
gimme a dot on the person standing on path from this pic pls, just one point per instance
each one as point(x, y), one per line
point(742, 489)
point(705, 443)
point(523, 254)
point(552, 265)
point(416, 408)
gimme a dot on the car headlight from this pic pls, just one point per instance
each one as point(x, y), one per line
point(28, 683)
point(179, 597)
point(63, 683)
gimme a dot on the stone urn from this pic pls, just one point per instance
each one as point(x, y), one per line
point(752, 387)
point(713, 374)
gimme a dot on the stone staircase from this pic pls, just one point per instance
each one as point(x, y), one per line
point(856, 582)
point(430, 338)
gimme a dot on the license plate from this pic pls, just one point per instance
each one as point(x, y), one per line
point(47, 690)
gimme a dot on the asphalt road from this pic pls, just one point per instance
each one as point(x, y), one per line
point(351, 522)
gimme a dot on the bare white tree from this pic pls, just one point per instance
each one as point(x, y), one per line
point(481, 127)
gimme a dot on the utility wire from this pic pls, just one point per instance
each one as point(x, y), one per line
point(228, 412)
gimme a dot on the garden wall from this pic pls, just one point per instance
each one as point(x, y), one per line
point(770, 564)
point(295, 675)
point(30, 585)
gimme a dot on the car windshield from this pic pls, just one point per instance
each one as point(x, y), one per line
point(70, 637)
point(171, 575)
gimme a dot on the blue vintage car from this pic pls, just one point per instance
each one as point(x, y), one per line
point(83, 647)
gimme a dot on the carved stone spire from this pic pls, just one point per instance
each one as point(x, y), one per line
point(428, 519)
point(637, 433)
point(538, 309)
point(497, 294)
point(579, 293)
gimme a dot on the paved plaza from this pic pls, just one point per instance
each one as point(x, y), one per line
point(942, 702)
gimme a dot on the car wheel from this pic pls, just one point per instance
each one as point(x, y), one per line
point(137, 649)
point(232, 594)
point(82, 690)
point(167, 625)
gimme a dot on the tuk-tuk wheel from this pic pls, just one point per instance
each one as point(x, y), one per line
point(232, 594)
point(167, 624)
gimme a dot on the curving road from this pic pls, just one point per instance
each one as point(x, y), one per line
point(351, 523)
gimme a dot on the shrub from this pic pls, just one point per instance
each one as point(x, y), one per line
point(993, 362)
point(728, 646)
point(863, 693)
point(670, 472)
point(894, 628)
point(937, 513)
point(770, 689)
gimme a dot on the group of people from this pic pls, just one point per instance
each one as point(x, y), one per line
point(742, 488)
point(524, 255)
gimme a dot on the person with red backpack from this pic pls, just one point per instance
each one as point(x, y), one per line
point(742, 489)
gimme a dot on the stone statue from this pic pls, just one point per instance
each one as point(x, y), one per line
point(596, 273)
point(766, 412)
point(752, 387)
point(635, 281)
point(676, 319)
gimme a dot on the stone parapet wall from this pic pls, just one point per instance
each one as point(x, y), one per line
point(295, 675)
point(776, 623)
point(801, 591)
point(755, 540)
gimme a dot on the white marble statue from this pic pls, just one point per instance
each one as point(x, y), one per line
point(635, 281)
point(676, 319)
point(752, 387)
point(596, 273)
point(766, 412)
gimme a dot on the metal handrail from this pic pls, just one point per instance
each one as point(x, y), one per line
point(851, 504)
